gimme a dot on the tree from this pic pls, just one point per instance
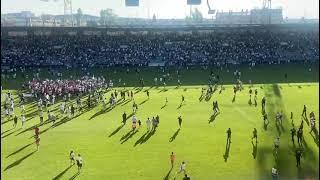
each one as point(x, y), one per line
point(79, 17)
point(107, 16)
point(196, 16)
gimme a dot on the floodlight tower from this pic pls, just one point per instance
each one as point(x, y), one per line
point(266, 4)
point(266, 8)
point(67, 10)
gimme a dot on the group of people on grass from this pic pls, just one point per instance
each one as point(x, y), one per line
point(67, 107)
point(50, 89)
point(79, 160)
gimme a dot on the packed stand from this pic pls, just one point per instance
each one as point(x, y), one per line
point(170, 48)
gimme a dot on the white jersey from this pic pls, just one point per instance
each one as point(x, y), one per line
point(134, 119)
point(148, 122)
point(79, 160)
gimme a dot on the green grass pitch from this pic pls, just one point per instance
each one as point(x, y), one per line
point(109, 152)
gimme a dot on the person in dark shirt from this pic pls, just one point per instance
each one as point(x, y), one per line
point(72, 110)
point(148, 94)
point(36, 131)
point(299, 135)
point(293, 133)
point(186, 177)
point(15, 120)
point(179, 121)
point(229, 136)
point(263, 103)
point(298, 157)
point(255, 135)
point(124, 118)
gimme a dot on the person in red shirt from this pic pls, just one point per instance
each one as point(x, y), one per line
point(38, 142)
point(36, 131)
point(172, 159)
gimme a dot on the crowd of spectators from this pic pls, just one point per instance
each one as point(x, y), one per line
point(61, 87)
point(169, 48)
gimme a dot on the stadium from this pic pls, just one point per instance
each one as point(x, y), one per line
point(231, 98)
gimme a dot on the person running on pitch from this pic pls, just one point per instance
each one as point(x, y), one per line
point(255, 135)
point(179, 121)
point(172, 159)
point(72, 157)
point(79, 162)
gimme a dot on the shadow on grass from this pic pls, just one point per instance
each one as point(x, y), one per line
point(19, 150)
point(10, 133)
point(201, 98)
point(4, 122)
point(66, 119)
point(131, 133)
point(234, 99)
point(315, 136)
point(62, 173)
point(126, 135)
point(168, 175)
point(74, 176)
point(226, 153)
point(208, 97)
point(254, 150)
point(143, 101)
point(100, 113)
point(173, 137)
point(126, 102)
point(140, 140)
point(163, 90)
point(305, 119)
point(213, 117)
point(147, 136)
point(180, 106)
point(32, 127)
point(7, 130)
point(117, 130)
point(138, 90)
point(19, 161)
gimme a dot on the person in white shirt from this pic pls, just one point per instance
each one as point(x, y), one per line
point(72, 158)
point(79, 162)
point(69, 112)
point(62, 108)
point(7, 111)
point(47, 97)
point(53, 98)
point(22, 109)
point(41, 116)
point(23, 119)
point(134, 119)
point(181, 168)
point(11, 112)
point(148, 124)
point(156, 81)
point(274, 173)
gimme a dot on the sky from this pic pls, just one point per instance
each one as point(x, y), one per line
point(161, 8)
